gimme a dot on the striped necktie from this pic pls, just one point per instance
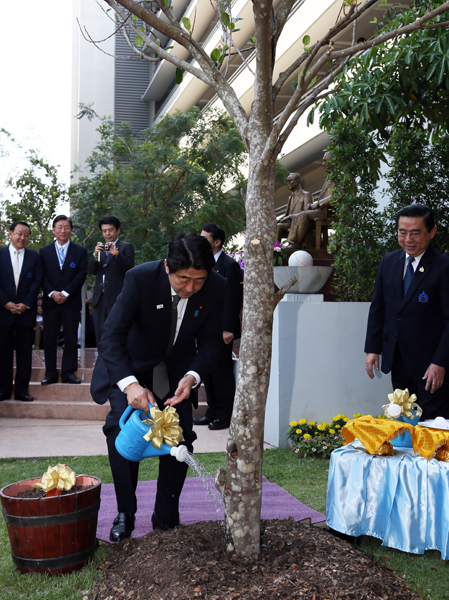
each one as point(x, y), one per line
point(61, 255)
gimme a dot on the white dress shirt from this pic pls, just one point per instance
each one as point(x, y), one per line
point(181, 308)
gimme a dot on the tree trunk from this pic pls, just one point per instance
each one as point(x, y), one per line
point(241, 483)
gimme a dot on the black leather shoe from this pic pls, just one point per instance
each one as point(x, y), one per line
point(159, 525)
point(70, 378)
point(23, 397)
point(202, 421)
point(5, 397)
point(49, 380)
point(217, 424)
point(122, 527)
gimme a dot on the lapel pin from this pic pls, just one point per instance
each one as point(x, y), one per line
point(160, 306)
point(421, 270)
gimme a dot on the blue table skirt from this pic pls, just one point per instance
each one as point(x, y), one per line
point(401, 499)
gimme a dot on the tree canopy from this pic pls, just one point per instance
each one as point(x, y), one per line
point(402, 82)
point(39, 193)
point(183, 172)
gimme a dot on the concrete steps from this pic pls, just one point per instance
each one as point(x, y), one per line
point(67, 401)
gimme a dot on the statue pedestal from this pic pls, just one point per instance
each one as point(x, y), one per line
point(318, 364)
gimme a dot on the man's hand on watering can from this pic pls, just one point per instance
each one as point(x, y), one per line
point(182, 391)
point(138, 396)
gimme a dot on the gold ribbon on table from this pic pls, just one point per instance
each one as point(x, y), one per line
point(427, 440)
point(372, 433)
point(61, 477)
point(164, 427)
point(406, 402)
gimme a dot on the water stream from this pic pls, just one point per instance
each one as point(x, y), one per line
point(208, 482)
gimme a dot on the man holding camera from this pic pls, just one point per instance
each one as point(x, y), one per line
point(109, 264)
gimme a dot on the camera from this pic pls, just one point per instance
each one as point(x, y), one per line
point(107, 247)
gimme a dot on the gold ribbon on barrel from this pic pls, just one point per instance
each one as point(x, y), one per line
point(61, 477)
point(164, 427)
point(406, 402)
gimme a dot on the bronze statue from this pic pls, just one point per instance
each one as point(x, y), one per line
point(301, 212)
point(291, 224)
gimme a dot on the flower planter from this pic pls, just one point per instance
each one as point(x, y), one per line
point(53, 535)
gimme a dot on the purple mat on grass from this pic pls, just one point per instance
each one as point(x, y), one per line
point(196, 505)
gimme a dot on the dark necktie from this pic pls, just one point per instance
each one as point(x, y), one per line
point(408, 273)
point(174, 319)
point(161, 383)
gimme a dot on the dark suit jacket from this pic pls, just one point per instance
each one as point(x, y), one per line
point(137, 331)
point(230, 270)
point(27, 291)
point(417, 323)
point(70, 278)
point(114, 271)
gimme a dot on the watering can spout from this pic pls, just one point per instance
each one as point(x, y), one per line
point(180, 453)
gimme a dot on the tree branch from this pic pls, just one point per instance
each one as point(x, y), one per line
point(283, 290)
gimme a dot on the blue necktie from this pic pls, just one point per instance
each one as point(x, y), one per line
point(61, 255)
point(408, 273)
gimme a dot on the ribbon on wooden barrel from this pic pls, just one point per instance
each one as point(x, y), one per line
point(406, 402)
point(164, 427)
point(59, 478)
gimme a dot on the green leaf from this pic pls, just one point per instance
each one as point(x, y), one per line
point(167, 3)
point(134, 18)
point(389, 104)
point(306, 40)
point(186, 23)
point(294, 85)
point(225, 19)
point(310, 117)
point(158, 42)
point(138, 41)
point(179, 75)
point(215, 55)
point(312, 83)
point(252, 40)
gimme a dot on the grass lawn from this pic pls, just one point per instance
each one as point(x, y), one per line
point(306, 479)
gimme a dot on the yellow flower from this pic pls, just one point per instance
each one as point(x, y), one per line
point(299, 431)
point(331, 430)
point(306, 436)
point(313, 423)
point(321, 427)
point(337, 426)
point(346, 419)
point(303, 422)
point(357, 415)
point(293, 424)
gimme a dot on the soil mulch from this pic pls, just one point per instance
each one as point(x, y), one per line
point(38, 493)
point(297, 561)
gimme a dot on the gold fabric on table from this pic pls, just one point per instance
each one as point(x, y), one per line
point(426, 440)
point(372, 433)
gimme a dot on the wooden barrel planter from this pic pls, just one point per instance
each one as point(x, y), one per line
point(54, 535)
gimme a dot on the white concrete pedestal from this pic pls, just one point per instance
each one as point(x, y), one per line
point(318, 365)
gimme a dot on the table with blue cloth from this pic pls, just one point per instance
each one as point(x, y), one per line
point(401, 499)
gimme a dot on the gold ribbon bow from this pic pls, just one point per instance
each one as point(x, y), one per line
point(61, 477)
point(407, 403)
point(165, 427)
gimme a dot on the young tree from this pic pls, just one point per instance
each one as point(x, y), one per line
point(264, 137)
point(175, 176)
point(40, 193)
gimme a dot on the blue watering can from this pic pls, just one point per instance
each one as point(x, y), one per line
point(131, 444)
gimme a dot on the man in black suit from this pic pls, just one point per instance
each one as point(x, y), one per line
point(65, 270)
point(408, 321)
point(166, 321)
point(220, 383)
point(109, 263)
point(20, 281)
